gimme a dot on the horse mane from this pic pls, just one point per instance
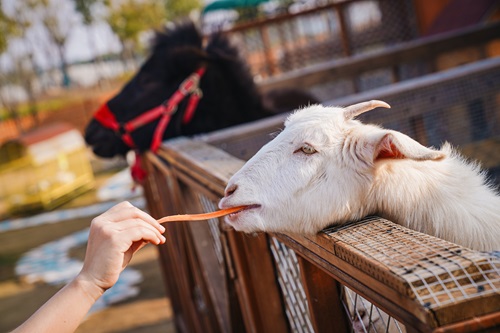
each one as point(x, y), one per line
point(182, 49)
point(177, 35)
point(220, 47)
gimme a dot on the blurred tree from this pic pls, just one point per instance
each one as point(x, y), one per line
point(129, 19)
point(86, 10)
point(24, 64)
point(7, 28)
point(84, 7)
point(59, 27)
point(180, 8)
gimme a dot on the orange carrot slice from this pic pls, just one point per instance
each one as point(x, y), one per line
point(199, 217)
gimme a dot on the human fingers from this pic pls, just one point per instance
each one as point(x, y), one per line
point(125, 210)
point(119, 206)
point(139, 234)
point(133, 223)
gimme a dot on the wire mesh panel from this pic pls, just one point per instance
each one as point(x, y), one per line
point(252, 47)
point(291, 287)
point(331, 31)
point(377, 24)
point(363, 315)
point(439, 275)
point(366, 317)
point(461, 106)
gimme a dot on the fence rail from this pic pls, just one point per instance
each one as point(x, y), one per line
point(402, 61)
point(224, 281)
point(334, 30)
point(425, 283)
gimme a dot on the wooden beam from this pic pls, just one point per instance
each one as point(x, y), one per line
point(407, 52)
point(323, 296)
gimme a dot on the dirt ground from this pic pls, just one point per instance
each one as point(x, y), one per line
point(150, 311)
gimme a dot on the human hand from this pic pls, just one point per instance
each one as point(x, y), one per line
point(114, 237)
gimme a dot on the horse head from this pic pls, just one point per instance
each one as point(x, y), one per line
point(229, 95)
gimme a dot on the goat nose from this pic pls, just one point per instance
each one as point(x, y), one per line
point(230, 190)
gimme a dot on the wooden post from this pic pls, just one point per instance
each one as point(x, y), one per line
point(256, 284)
point(268, 52)
point(324, 301)
point(344, 35)
point(173, 257)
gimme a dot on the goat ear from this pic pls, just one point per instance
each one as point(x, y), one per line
point(395, 145)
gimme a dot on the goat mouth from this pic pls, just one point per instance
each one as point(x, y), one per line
point(243, 209)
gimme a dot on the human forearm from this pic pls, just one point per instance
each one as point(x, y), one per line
point(65, 310)
point(113, 239)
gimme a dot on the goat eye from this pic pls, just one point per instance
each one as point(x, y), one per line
point(307, 149)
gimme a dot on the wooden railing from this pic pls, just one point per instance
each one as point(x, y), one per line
point(289, 41)
point(427, 284)
point(418, 57)
point(224, 281)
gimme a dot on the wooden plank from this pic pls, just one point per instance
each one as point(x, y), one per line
point(200, 297)
point(284, 17)
point(485, 324)
point(319, 250)
point(209, 165)
point(213, 279)
point(346, 47)
point(451, 282)
point(416, 50)
point(177, 272)
point(422, 288)
point(257, 287)
point(261, 313)
point(485, 151)
point(323, 296)
point(484, 74)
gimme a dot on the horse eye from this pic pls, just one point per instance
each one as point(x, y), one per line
point(307, 149)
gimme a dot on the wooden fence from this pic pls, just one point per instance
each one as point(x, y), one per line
point(330, 31)
point(220, 280)
point(398, 62)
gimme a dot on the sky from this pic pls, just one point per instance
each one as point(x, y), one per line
point(78, 47)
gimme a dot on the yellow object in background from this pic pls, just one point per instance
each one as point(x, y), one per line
point(44, 168)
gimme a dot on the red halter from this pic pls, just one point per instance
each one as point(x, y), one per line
point(164, 111)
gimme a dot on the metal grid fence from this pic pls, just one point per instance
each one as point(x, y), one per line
point(330, 31)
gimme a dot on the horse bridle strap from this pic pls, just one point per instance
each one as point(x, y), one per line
point(164, 111)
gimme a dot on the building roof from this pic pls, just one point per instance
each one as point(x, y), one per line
point(43, 133)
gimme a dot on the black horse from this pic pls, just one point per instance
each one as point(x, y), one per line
point(229, 94)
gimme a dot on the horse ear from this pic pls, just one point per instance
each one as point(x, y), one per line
point(387, 144)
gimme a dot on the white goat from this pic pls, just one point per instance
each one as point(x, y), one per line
point(327, 168)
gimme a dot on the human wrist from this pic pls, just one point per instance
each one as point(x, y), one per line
point(88, 287)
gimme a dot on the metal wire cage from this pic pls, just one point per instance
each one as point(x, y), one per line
point(333, 30)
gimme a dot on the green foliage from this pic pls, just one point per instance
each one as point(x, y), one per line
point(180, 8)
point(7, 28)
point(84, 7)
point(131, 17)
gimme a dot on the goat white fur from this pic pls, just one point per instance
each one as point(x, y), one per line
point(327, 168)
